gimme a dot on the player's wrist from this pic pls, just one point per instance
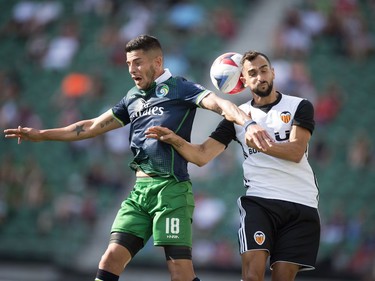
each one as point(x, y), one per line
point(248, 123)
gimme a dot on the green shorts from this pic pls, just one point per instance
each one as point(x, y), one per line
point(162, 207)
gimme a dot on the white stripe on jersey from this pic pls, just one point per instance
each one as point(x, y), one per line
point(274, 178)
point(242, 231)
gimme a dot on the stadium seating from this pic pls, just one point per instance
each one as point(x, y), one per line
point(340, 185)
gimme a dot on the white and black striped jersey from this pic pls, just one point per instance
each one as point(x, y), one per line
point(268, 176)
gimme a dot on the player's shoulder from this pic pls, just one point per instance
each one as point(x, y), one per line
point(131, 95)
point(187, 86)
point(296, 100)
point(134, 90)
point(286, 97)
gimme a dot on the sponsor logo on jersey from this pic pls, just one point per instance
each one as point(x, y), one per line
point(285, 116)
point(253, 150)
point(286, 136)
point(162, 90)
point(259, 237)
point(143, 108)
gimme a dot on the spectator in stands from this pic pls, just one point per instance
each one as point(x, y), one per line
point(313, 20)
point(224, 23)
point(30, 17)
point(75, 85)
point(113, 36)
point(321, 152)
point(329, 103)
point(360, 152)
point(139, 22)
point(11, 109)
point(186, 16)
point(34, 183)
point(158, 98)
point(333, 32)
point(116, 146)
point(333, 230)
point(295, 79)
point(177, 60)
point(62, 48)
point(101, 8)
point(9, 99)
point(292, 40)
point(209, 211)
point(7, 171)
point(36, 47)
point(363, 259)
point(22, 187)
point(300, 82)
point(358, 40)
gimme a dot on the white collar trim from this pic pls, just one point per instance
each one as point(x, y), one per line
point(164, 77)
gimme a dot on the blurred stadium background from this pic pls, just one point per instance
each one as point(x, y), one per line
point(61, 61)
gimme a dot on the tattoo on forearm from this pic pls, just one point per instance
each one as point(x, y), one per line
point(218, 110)
point(78, 129)
point(106, 123)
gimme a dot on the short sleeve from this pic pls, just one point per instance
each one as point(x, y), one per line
point(224, 132)
point(304, 116)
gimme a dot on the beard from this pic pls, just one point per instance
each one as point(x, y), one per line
point(148, 78)
point(266, 92)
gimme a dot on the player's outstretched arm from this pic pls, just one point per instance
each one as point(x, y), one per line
point(199, 154)
point(77, 131)
point(226, 108)
point(233, 113)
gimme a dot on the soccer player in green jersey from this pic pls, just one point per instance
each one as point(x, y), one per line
point(161, 203)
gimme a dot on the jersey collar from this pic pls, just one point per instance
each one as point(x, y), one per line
point(164, 77)
point(267, 107)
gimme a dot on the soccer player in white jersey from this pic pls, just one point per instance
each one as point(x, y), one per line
point(279, 213)
point(161, 203)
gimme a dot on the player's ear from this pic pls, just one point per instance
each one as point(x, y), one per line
point(159, 61)
point(243, 80)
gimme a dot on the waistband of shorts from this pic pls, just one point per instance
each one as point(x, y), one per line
point(141, 174)
point(153, 177)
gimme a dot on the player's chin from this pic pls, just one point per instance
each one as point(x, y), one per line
point(138, 83)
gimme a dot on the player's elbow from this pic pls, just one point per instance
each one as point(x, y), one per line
point(296, 157)
point(201, 162)
point(297, 152)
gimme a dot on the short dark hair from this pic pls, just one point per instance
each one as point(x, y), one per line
point(251, 55)
point(143, 42)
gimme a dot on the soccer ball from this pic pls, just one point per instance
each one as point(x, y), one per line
point(225, 73)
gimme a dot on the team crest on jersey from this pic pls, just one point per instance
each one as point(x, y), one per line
point(259, 237)
point(162, 90)
point(285, 116)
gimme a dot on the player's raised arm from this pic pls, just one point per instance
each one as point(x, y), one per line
point(199, 154)
point(234, 114)
point(225, 108)
point(77, 131)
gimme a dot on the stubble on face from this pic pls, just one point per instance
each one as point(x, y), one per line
point(263, 93)
point(142, 68)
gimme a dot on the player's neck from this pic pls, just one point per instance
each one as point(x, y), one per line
point(271, 98)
